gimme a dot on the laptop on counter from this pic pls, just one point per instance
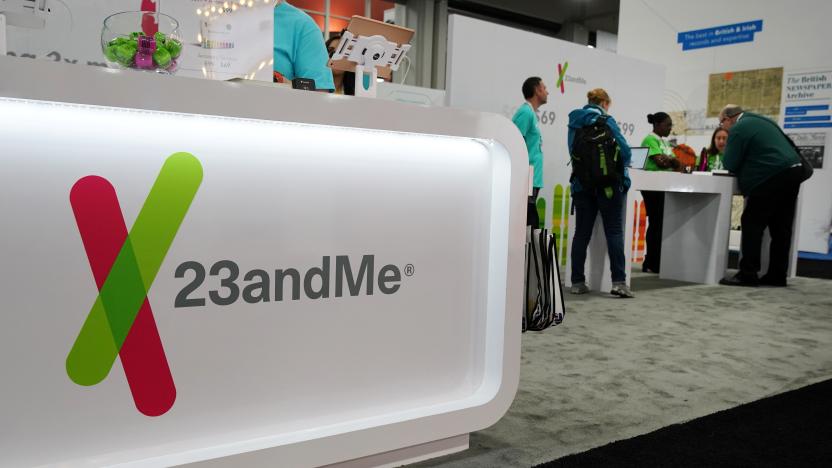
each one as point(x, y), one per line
point(639, 157)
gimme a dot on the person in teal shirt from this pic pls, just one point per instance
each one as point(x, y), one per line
point(659, 158)
point(536, 94)
point(299, 50)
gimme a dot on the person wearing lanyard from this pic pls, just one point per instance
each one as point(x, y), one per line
point(536, 94)
point(659, 158)
point(711, 158)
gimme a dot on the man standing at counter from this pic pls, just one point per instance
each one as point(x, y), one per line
point(769, 173)
point(536, 94)
point(299, 50)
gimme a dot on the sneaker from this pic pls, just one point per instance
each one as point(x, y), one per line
point(741, 279)
point(579, 288)
point(621, 290)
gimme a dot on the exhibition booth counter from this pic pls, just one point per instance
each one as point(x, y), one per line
point(697, 222)
point(198, 270)
point(695, 231)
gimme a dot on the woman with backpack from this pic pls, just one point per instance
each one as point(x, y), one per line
point(659, 158)
point(599, 158)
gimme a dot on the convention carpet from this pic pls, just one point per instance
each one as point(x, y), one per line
point(791, 429)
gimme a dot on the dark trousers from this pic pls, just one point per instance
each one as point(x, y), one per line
point(587, 206)
point(770, 205)
point(532, 218)
point(654, 204)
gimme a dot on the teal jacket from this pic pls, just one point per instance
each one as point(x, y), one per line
point(756, 151)
point(587, 115)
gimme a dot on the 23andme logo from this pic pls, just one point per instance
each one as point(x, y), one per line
point(561, 75)
point(124, 266)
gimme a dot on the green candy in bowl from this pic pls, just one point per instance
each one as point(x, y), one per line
point(142, 41)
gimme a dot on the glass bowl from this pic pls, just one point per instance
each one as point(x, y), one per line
point(141, 40)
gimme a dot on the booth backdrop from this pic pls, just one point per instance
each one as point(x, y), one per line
point(789, 37)
point(487, 64)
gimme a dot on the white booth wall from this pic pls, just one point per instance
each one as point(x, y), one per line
point(487, 64)
point(792, 37)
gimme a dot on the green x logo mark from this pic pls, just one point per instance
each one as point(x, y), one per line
point(134, 270)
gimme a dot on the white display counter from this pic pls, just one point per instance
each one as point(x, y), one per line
point(695, 234)
point(308, 279)
point(697, 223)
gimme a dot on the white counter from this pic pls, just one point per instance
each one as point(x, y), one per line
point(327, 278)
point(697, 223)
point(696, 231)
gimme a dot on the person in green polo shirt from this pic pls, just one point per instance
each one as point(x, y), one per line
point(710, 159)
point(769, 172)
point(536, 94)
point(659, 158)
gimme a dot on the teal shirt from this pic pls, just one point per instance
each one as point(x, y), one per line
point(299, 49)
point(756, 151)
point(526, 121)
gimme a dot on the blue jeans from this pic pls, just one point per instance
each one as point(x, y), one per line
point(587, 206)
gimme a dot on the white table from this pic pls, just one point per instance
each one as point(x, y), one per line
point(697, 223)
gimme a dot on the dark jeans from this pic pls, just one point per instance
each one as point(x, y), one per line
point(654, 204)
point(587, 206)
point(532, 218)
point(771, 205)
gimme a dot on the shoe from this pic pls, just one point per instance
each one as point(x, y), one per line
point(647, 269)
point(766, 280)
point(741, 280)
point(579, 288)
point(622, 290)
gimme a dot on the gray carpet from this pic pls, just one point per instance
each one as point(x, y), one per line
point(619, 368)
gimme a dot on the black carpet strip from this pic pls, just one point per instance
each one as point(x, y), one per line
point(793, 429)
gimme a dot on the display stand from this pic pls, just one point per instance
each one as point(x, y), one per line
point(367, 47)
point(417, 364)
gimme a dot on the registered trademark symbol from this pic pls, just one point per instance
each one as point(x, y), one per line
point(408, 269)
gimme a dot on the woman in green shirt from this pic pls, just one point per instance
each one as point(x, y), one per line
point(659, 158)
point(711, 157)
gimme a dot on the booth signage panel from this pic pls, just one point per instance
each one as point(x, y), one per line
point(180, 287)
point(719, 35)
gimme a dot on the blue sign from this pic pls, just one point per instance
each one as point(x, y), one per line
point(809, 125)
point(802, 110)
point(813, 118)
point(720, 35)
point(798, 117)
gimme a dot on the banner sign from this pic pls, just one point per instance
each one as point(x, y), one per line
point(719, 35)
point(808, 96)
